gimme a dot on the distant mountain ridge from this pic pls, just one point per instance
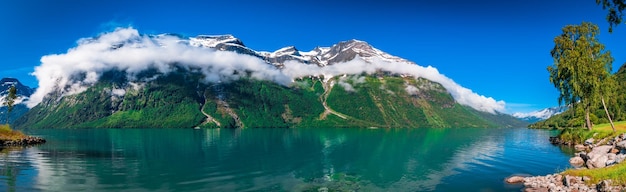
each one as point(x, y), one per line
point(332, 89)
point(542, 114)
point(322, 56)
point(23, 93)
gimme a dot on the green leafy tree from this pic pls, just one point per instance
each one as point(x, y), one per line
point(581, 69)
point(9, 101)
point(616, 11)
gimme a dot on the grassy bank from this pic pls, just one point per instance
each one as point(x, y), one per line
point(579, 135)
point(615, 173)
point(6, 133)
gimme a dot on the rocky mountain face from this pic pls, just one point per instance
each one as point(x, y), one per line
point(322, 56)
point(23, 94)
point(181, 99)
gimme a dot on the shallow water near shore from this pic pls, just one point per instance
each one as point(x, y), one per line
point(280, 160)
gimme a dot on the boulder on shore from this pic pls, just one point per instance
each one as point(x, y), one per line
point(559, 182)
point(580, 147)
point(577, 162)
point(589, 141)
point(598, 156)
point(621, 144)
point(620, 158)
point(599, 161)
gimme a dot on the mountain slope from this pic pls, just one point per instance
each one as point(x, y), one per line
point(23, 93)
point(215, 81)
point(172, 102)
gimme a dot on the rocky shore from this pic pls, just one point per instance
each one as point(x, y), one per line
point(558, 182)
point(22, 142)
point(590, 155)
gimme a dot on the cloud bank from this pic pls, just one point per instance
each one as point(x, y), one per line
point(125, 49)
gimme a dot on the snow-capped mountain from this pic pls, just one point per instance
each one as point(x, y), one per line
point(23, 92)
point(540, 114)
point(124, 72)
point(341, 52)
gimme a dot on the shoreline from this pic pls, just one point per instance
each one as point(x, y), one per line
point(26, 141)
point(591, 155)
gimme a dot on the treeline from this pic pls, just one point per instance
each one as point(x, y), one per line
point(574, 117)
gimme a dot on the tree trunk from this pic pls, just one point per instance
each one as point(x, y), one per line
point(589, 126)
point(607, 115)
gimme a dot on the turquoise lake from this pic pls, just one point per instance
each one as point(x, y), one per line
point(280, 160)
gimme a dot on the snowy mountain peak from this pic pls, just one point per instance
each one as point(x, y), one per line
point(23, 92)
point(8, 82)
point(341, 52)
point(214, 40)
point(541, 114)
point(347, 50)
point(289, 50)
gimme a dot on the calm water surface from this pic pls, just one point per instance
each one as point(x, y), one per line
point(280, 160)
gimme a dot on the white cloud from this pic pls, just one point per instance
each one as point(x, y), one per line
point(461, 94)
point(411, 90)
point(118, 92)
point(83, 65)
point(347, 82)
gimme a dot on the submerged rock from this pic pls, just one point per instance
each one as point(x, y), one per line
point(555, 140)
point(515, 179)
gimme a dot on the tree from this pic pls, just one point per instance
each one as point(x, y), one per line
point(9, 101)
point(581, 68)
point(607, 89)
point(616, 9)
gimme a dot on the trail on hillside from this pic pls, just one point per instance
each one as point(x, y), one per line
point(209, 118)
point(327, 110)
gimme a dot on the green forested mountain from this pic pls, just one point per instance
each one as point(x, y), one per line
point(615, 104)
point(216, 81)
point(179, 100)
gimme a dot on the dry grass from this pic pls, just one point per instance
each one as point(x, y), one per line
point(6, 133)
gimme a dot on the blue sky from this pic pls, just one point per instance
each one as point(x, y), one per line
point(497, 48)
